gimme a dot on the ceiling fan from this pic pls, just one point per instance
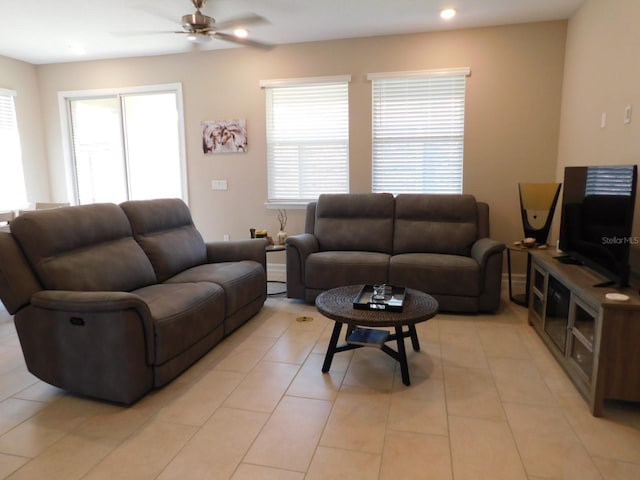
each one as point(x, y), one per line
point(201, 28)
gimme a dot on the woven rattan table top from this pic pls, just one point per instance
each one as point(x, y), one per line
point(337, 304)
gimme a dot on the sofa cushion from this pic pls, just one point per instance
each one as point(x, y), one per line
point(93, 239)
point(183, 313)
point(355, 222)
point(435, 223)
point(242, 281)
point(436, 273)
point(165, 231)
point(326, 270)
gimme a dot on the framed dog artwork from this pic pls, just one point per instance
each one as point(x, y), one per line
point(224, 136)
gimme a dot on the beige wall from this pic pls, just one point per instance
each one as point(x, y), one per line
point(512, 114)
point(22, 77)
point(602, 75)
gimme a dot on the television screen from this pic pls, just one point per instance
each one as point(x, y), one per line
point(597, 218)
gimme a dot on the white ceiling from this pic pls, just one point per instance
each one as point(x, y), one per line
point(47, 31)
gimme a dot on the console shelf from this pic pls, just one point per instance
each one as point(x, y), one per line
point(592, 338)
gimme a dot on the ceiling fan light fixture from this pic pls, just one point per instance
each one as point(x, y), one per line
point(448, 13)
point(196, 37)
point(241, 32)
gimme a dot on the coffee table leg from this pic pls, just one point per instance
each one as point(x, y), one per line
point(414, 338)
point(331, 349)
point(402, 356)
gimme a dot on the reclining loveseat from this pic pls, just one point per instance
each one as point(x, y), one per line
point(438, 244)
point(110, 301)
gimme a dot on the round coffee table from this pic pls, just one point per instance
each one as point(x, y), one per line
point(337, 304)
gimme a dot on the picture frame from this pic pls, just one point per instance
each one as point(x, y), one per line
point(224, 136)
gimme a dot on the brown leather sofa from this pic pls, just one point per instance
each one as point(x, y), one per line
point(110, 301)
point(438, 244)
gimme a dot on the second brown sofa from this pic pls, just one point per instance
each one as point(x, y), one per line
point(438, 244)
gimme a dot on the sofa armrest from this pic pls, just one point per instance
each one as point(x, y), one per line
point(484, 248)
point(17, 280)
point(488, 253)
point(304, 243)
point(237, 250)
point(98, 302)
point(299, 247)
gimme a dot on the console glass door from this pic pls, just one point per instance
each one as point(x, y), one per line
point(557, 312)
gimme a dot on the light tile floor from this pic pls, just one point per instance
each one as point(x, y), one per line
point(487, 402)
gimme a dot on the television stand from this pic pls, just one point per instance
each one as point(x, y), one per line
point(568, 260)
point(592, 338)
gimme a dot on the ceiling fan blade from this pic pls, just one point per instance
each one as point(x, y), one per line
point(133, 33)
point(240, 22)
point(241, 41)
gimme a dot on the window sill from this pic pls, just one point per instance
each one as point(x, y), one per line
point(300, 205)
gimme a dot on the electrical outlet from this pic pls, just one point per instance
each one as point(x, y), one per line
point(225, 237)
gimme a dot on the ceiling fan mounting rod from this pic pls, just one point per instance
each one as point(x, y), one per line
point(199, 4)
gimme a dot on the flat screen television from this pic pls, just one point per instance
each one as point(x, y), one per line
point(597, 219)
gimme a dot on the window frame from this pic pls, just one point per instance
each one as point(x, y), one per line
point(408, 75)
point(23, 201)
point(275, 203)
point(64, 106)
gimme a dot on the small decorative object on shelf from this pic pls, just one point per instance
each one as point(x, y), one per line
point(282, 219)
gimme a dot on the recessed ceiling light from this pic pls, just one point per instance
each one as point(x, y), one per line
point(241, 33)
point(448, 13)
point(76, 49)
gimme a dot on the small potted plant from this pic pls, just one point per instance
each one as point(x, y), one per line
point(282, 219)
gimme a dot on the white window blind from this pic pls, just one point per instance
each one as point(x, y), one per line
point(13, 194)
point(606, 180)
point(307, 139)
point(418, 131)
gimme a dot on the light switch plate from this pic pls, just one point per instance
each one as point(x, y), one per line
point(627, 114)
point(219, 185)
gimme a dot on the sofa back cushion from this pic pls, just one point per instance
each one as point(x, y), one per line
point(84, 248)
point(357, 221)
point(433, 223)
point(165, 231)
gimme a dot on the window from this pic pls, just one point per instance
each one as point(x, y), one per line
point(307, 138)
point(126, 145)
point(617, 180)
point(418, 131)
point(13, 193)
